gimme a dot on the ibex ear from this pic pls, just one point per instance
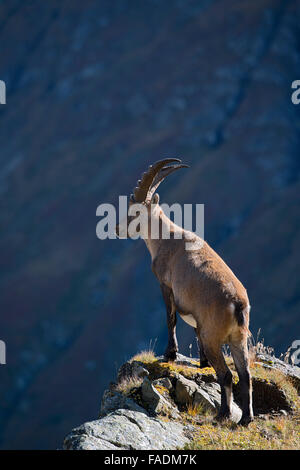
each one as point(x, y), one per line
point(155, 199)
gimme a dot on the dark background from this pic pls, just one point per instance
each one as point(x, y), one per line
point(97, 90)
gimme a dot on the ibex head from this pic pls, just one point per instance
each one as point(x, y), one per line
point(144, 193)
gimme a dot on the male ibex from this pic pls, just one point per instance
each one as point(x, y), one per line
point(200, 287)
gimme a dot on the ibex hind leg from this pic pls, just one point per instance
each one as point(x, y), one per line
point(239, 353)
point(215, 356)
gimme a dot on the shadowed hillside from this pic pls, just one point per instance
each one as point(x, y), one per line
point(95, 92)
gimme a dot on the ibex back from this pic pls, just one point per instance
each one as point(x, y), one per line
point(198, 285)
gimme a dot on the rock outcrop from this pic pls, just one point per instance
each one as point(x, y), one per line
point(158, 405)
point(126, 429)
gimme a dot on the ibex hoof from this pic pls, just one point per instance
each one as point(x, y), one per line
point(204, 363)
point(170, 356)
point(222, 416)
point(245, 420)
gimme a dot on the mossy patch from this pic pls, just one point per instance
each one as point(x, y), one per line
point(158, 369)
point(162, 390)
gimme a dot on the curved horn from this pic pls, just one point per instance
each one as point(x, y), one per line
point(164, 172)
point(145, 183)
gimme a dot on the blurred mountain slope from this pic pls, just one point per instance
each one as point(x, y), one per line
point(95, 93)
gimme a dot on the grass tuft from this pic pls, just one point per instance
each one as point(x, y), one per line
point(127, 385)
point(147, 357)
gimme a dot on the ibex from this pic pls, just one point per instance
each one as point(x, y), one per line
point(198, 285)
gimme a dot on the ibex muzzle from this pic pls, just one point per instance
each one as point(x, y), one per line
point(200, 287)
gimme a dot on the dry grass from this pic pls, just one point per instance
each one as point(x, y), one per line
point(257, 346)
point(196, 410)
point(281, 433)
point(147, 357)
point(128, 384)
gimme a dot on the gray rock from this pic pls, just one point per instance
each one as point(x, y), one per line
point(126, 429)
point(164, 382)
point(236, 412)
point(155, 402)
point(134, 369)
point(202, 398)
point(209, 396)
point(138, 370)
point(112, 401)
point(185, 390)
point(183, 360)
point(213, 390)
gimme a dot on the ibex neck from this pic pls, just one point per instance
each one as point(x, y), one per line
point(165, 225)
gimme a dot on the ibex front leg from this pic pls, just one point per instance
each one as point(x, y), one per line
point(172, 348)
point(203, 359)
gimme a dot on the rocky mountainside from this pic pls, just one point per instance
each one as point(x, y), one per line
point(159, 405)
point(95, 92)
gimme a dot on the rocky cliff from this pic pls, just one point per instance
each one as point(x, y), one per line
point(159, 405)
